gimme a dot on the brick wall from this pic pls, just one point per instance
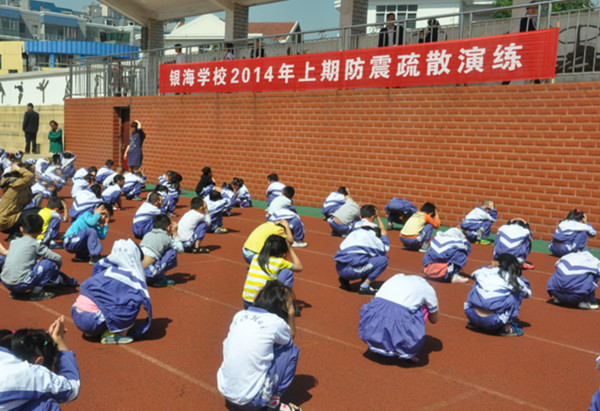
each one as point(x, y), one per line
point(531, 148)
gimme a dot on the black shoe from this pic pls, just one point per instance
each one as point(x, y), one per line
point(42, 295)
point(80, 259)
point(95, 259)
point(344, 284)
point(19, 296)
point(367, 290)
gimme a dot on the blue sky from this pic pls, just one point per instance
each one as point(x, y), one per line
point(312, 14)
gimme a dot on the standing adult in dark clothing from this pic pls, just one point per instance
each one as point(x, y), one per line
point(133, 151)
point(31, 123)
point(391, 34)
point(528, 23)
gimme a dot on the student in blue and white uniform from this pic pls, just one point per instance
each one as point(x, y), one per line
point(447, 256)
point(160, 247)
point(334, 200)
point(243, 199)
point(85, 200)
point(495, 299)
point(571, 234)
point(282, 208)
point(38, 370)
point(67, 164)
point(171, 180)
point(515, 238)
point(53, 174)
point(229, 194)
point(343, 219)
point(41, 165)
point(398, 211)
point(142, 220)
point(40, 191)
point(477, 225)
point(362, 255)
point(259, 356)
point(193, 226)
point(393, 323)
point(133, 185)
point(275, 187)
point(104, 171)
point(216, 206)
point(112, 193)
point(111, 299)
point(575, 280)
point(83, 237)
point(81, 183)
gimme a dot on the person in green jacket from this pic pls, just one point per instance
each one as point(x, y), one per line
point(55, 137)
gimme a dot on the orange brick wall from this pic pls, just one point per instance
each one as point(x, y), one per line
point(534, 149)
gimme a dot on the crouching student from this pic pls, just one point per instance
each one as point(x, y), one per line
point(363, 253)
point(160, 247)
point(417, 231)
point(193, 225)
point(575, 280)
point(393, 323)
point(52, 215)
point(282, 208)
point(104, 171)
point(85, 200)
point(495, 300)
point(243, 199)
point(110, 300)
point(216, 205)
point(270, 265)
point(477, 225)
point(112, 193)
point(334, 200)
point(275, 188)
point(23, 275)
point(571, 234)
point(206, 184)
point(342, 220)
point(84, 235)
point(132, 188)
point(228, 193)
point(398, 211)
point(38, 370)
point(447, 256)
point(257, 238)
point(142, 220)
point(171, 180)
point(259, 356)
point(515, 238)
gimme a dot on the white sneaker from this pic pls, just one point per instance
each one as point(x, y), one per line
point(299, 244)
point(587, 306)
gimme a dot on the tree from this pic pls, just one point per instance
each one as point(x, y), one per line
point(569, 5)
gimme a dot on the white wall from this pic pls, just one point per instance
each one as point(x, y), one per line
point(55, 82)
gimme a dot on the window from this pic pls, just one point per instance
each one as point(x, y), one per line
point(402, 12)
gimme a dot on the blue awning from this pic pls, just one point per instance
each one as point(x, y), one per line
point(58, 20)
point(83, 48)
point(10, 13)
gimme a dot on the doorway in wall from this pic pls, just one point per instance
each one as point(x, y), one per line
point(123, 127)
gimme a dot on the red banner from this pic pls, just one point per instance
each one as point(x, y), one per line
point(521, 56)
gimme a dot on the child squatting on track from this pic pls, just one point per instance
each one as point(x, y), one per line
point(259, 356)
point(571, 234)
point(495, 300)
point(112, 297)
point(575, 280)
point(447, 256)
point(419, 227)
point(393, 323)
point(362, 255)
point(38, 370)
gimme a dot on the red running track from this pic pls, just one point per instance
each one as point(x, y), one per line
point(174, 367)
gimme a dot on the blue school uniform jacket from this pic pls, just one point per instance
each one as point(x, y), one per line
point(475, 219)
point(400, 205)
point(142, 220)
point(492, 292)
point(448, 247)
point(573, 234)
point(332, 203)
point(361, 245)
point(515, 240)
point(119, 295)
point(85, 200)
point(576, 273)
point(24, 384)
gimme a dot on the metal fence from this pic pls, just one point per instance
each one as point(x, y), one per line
point(136, 74)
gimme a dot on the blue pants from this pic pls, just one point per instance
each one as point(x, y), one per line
point(490, 322)
point(84, 243)
point(570, 298)
point(68, 172)
point(198, 235)
point(112, 199)
point(297, 228)
point(279, 376)
point(216, 221)
point(416, 243)
point(88, 323)
point(142, 227)
point(43, 272)
point(134, 190)
point(371, 270)
point(52, 231)
point(166, 262)
point(339, 229)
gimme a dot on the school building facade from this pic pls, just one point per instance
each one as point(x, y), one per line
point(533, 149)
